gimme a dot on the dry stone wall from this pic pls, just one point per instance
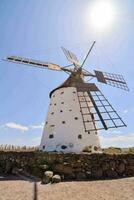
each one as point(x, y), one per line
point(69, 166)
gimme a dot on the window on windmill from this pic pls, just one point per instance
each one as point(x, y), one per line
point(74, 92)
point(52, 113)
point(52, 125)
point(63, 147)
point(62, 102)
point(73, 99)
point(88, 132)
point(80, 136)
point(62, 93)
point(61, 110)
point(70, 110)
point(51, 136)
point(50, 104)
point(63, 122)
point(43, 147)
point(55, 104)
point(53, 95)
point(46, 123)
point(76, 118)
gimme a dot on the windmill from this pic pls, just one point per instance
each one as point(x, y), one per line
point(77, 109)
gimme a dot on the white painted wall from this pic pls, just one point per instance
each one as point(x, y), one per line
point(66, 100)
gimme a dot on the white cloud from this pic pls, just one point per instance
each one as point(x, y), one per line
point(40, 126)
point(14, 125)
point(118, 140)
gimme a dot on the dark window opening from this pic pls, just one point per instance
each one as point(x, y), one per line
point(50, 104)
point(63, 146)
point(61, 110)
point(55, 104)
point(53, 95)
point(52, 113)
point(51, 136)
point(74, 92)
point(73, 99)
point(76, 118)
point(52, 125)
point(46, 123)
point(62, 102)
point(70, 110)
point(79, 136)
point(96, 132)
point(43, 146)
point(63, 122)
point(88, 132)
point(62, 93)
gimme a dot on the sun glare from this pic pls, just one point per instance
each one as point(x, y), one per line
point(101, 14)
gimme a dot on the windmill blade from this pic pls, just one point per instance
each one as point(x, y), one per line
point(98, 109)
point(33, 63)
point(115, 80)
point(71, 57)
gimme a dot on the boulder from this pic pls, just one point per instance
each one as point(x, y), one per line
point(56, 179)
point(47, 177)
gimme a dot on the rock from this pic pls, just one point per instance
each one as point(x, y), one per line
point(121, 168)
point(1, 170)
point(44, 167)
point(47, 177)
point(97, 172)
point(15, 171)
point(8, 168)
point(56, 179)
point(81, 176)
point(111, 173)
point(112, 164)
point(63, 169)
point(105, 166)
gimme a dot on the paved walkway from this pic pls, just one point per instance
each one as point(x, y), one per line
point(13, 188)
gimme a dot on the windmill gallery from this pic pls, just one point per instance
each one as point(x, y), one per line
point(77, 109)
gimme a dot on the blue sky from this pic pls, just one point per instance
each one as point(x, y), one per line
point(37, 29)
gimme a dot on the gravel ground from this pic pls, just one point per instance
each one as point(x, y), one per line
point(13, 188)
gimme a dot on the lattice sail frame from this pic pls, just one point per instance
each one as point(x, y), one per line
point(33, 63)
point(71, 57)
point(115, 80)
point(97, 112)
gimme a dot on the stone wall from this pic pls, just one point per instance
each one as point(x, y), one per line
point(69, 166)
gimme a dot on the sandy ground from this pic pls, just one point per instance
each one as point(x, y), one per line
point(13, 188)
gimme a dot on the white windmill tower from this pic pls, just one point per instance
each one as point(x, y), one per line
point(77, 109)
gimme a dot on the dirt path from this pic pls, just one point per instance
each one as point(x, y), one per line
point(16, 189)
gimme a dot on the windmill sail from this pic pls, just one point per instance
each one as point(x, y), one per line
point(71, 57)
point(102, 113)
point(34, 63)
point(115, 80)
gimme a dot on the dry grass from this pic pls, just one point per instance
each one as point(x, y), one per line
point(36, 148)
point(18, 148)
